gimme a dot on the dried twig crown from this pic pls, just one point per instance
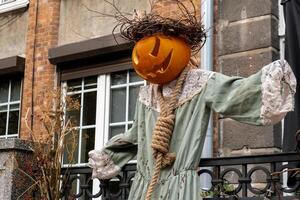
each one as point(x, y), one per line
point(184, 25)
point(138, 25)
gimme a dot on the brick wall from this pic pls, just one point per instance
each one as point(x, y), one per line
point(246, 40)
point(39, 76)
point(169, 8)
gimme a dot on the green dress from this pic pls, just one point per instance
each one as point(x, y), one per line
point(261, 99)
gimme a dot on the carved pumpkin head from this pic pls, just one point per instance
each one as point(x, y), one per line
point(159, 58)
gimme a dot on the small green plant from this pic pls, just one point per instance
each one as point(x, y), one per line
point(220, 190)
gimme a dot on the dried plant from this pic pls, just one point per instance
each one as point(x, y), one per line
point(48, 149)
point(138, 25)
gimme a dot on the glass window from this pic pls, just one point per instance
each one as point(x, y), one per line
point(124, 90)
point(10, 93)
point(84, 120)
point(109, 99)
point(107, 109)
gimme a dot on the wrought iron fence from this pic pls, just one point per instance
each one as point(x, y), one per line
point(252, 177)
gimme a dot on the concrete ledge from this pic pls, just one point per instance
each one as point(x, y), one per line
point(15, 157)
point(101, 46)
point(14, 144)
point(12, 65)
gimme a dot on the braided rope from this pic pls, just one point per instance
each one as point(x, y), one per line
point(162, 132)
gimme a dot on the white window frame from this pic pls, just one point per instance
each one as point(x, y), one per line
point(8, 104)
point(126, 85)
point(281, 35)
point(103, 115)
point(281, 30)
point(14, 5)
point(81, 127)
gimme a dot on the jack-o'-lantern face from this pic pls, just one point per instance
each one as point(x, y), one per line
point(159, 58)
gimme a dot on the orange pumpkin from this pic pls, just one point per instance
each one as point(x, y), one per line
point(159, 58)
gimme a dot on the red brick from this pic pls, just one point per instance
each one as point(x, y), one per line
point(42, 34)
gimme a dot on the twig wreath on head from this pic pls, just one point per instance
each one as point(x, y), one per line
point(134, 27)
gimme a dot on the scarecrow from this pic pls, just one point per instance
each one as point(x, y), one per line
point(172, 112)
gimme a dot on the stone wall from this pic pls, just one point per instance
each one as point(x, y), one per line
point(15, 160)
point(13, 27)
point(246, 40)
point(169, 8)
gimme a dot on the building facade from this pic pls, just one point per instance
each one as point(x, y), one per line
point(47, 44)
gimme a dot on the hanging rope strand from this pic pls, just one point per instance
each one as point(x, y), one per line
point(162, 132)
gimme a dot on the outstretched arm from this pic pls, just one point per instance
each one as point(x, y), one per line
point(261, 99)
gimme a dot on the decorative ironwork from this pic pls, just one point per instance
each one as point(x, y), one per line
point(269, 168)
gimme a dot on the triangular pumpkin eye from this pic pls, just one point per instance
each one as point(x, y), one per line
point(155, 49)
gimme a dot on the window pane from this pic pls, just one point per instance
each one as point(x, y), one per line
point(71, 148)
point(90, 82)
point(119, 78)
point(3, 117)
point(74, 85)
point(118, 105)
point(133, 77)
point(13, 123)
point(115, 130)
point(74, 115)
point(89, 108)
point(129, 126)
point(133, 94)
point(15, 90)
point(87, 143)
point(14, 107)
point(4, 91)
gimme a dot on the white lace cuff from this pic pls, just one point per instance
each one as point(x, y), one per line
point(278, 89)
point(103, 166)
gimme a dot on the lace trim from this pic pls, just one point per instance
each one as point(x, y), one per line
point(195, 81)
point(278, 89)
point(103, 166)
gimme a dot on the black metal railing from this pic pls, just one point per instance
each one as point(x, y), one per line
point(251, 177)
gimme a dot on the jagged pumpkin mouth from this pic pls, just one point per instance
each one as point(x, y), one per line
point(162, 67)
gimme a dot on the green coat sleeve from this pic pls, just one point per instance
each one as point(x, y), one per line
point(107, 162)
point(260, 99)
point(123, 147)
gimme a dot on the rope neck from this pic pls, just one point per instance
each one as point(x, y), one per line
point(163, 131)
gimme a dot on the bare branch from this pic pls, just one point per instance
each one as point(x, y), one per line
point(97, 12)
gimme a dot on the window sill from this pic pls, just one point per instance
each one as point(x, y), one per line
point(13, 6)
